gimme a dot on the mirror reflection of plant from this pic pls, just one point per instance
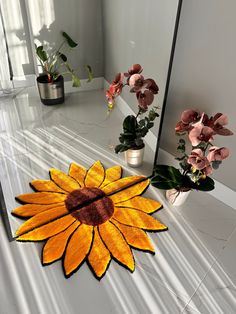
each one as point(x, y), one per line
point(135, 127)
point(53, 61)
point(196, 167)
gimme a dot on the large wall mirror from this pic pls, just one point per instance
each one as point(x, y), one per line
point(112, 36)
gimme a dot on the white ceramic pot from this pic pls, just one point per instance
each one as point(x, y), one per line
point(176, 197)
point(134, 157)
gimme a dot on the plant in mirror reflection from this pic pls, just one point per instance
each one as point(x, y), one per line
point(198, 165)
point(53, 61)
point(135, 127)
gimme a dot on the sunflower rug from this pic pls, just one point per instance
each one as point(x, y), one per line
point(92, 216)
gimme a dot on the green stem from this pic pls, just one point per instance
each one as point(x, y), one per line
point(206, 147)
point(139, 112)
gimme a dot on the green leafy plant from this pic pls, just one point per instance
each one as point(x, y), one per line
point(55, 63)
point(196, 167)
point(134, 130)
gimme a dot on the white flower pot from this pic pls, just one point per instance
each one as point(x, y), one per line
point(134, 157)
point(176, 197)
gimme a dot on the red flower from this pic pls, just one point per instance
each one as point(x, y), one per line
point(135, 69)
point(151, 85)
point(115, 88)
point(217, 154)
point(145, 99)
point(199, 161)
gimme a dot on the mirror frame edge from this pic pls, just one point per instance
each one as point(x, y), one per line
point(172, 53)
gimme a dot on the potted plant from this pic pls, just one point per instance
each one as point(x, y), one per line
point(51, 82)
point(197, 166)
point(135, 127)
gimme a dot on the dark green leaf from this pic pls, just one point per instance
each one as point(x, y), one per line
point(139, 142)
point(182, 141)
point(69, 40)
point(201, 145)
point(62, 56)
point(181, 148)
point(184, 165)
point(121, 148)
point(144, 131)
point(166, 177)
point(204, 185)
point(150, 125)
point(216, 164)
point(41, 53)
point(130, 124)
point(142, 123)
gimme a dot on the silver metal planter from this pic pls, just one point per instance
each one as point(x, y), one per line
point(134, 157)
point(51, 93)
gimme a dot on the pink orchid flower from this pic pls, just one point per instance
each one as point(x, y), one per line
point(199, 161)
point(200, 133)
point(220, 120)
point(187, 118)
point(217, 154)
point(144, 88)
point(217, 123)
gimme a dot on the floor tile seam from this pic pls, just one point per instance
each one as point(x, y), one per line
point(209, 270)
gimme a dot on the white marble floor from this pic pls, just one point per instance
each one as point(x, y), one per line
point(193, 269)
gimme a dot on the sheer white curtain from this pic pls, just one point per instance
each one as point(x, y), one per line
point(5, 82)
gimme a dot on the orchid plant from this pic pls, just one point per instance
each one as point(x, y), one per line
point(196, 167)
point(135, 127)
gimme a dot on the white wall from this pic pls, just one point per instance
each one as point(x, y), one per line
point(139, 32)
point(204, 72)
point(82, 19)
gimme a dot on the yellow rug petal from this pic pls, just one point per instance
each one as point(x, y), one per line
point(29, 210)
point(135, 237)
point(46, 186)
point(63, 180)
point(55, 246)
point(112, 174)
point(136, 218)
point(78, 173)
point(99, 256)
point(95, 175)
point(121, 184)
point(43, 198)
point(130, 192)
point(141, 203)
point(42, 219)
point(116, 244)
point(77, 249)
point(47, 230)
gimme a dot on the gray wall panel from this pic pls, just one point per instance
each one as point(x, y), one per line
point(204, 71)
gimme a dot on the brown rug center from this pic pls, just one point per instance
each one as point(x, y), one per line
point(96, 212)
